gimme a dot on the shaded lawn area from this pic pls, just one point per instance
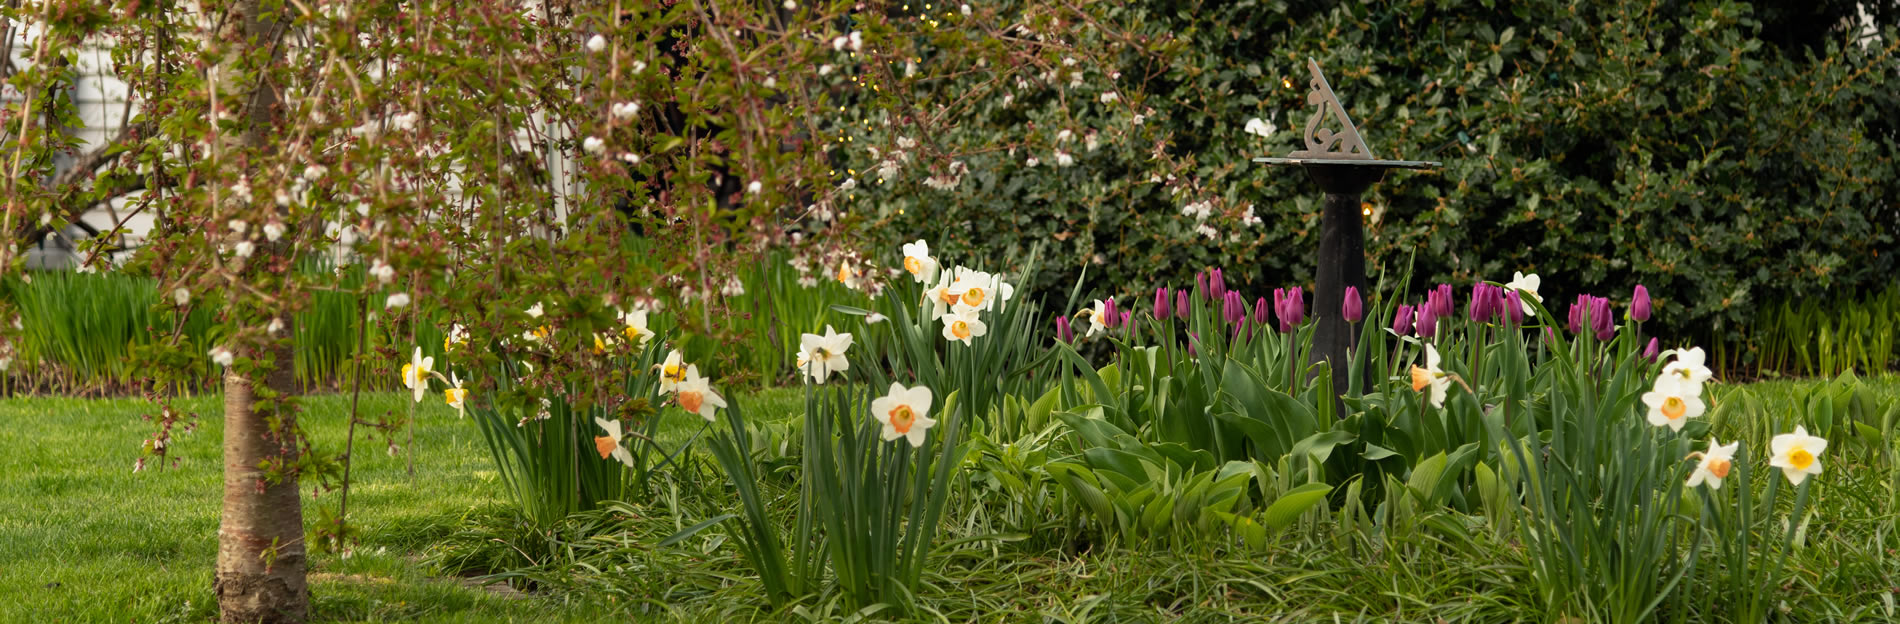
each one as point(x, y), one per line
point(87, 540)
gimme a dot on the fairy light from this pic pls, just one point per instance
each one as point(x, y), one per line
point(1286, 82)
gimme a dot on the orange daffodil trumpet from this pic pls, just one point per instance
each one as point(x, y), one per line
point(918, 263)
point(1671, 404)
point(1432, 377)
point(415, 374)
point(695, 395)
point(962, 325)
point(905, 413)
point(1715, 465)
point(820, 356)
point(610, 445)
point(1797, 454)
point(1097, 315)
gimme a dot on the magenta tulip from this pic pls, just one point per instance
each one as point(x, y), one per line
point(1352, 308)
point(1402, 322)
point(1639, 304)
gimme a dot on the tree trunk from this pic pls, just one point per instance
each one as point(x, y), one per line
point(261, 564)
point(260, 532)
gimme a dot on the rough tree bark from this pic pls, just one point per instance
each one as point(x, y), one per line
point(261, 563)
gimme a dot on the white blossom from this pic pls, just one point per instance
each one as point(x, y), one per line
point(396, 301)
point(181, 297)
point(243, 249)
point(596, 43)
point(624, 110)
point(382, 271)
point(273, 230)
point(222, 356)
point(1109, 97)
point(1063, 159)
point(1260, 128)
point(593, 145)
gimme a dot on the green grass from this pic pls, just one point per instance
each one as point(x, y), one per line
point(87, 540)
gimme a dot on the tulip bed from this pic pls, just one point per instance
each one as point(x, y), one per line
point(958, 450)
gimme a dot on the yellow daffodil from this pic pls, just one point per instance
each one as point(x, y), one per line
point(636, 326)
point(697, 396)
point(963, 325)
point(456, 336)
point(415, 374)
point(820, 356)
point(1431, 376)
point(905, 413)
point(1671, 404)
point(672, 371)
point(1715, 464)
point(1797, 454)
point(455, 395)
point(610, 445)
point(918, 263)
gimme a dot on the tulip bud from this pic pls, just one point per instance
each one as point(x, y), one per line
point(1260, 311)
point(1514, 307)
point(1427, 321)
point(1402, 322)
point(1352, 308)
point(1600, 319)
point(1161, 303)
point(1200, 286)
point(1639, 304)
point(1181, 304)
point(1649, 352)
point(1576, 314)
point(1063, 333)
point(1216, 282)
point(1110, 316)
point(1192, 338)
point(1443, 309)
point(1292, 308)
point(1479, 304)
point(1232, 310)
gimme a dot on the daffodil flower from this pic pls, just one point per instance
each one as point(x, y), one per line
point(905, 413)
point(415, 374)
point(1528, 285)
point(1431, 376)
point(672, 371)
point(696, 395)
point(1672, 403)
point(820, 356)
point(963, 325)
point(610, 445)
point(1797, 454)
point(636, 330)
point(918, 263)
point(456, 395)
point(947, 293)
point(1097, 315)
point(600, 344)
point(851, 279)
point(1689, 369)
point(457, 335)
point(1715, 464)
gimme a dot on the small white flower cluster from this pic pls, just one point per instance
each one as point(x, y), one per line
point(949, 180)
point(1200, 210)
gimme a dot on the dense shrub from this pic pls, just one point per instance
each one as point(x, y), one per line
point(1721, 159)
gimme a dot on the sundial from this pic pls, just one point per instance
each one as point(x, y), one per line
point(1343, 165)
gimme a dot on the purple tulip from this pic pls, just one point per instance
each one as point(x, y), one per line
point(1126, 315)
point(1514, 307)
point(1181, 304)
point(1161, 303)
point(1260, 311)
point(1576, 313)
point(1192, 338)
point(1352, 308)
point(1402, 322)
point(1649, 352)
point(1063, 333)
point(1200, 285)
point(1443, 307)
point(1479, 307)
point(1427, 321)
point(1216, 282)
point(1233, 308)
point(1291, 309)
point(1110, 317)
point(1639, 304)
point(1600, 319)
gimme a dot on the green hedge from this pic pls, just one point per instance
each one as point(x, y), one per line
point(1722, 161)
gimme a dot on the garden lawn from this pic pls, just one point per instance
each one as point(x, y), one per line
point(84, 539)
